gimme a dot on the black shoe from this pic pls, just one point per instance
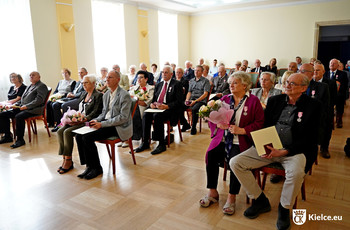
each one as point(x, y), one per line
point(275, 178)
point(185, 127)
point(193, 131)
point(325, 153)
point(82, 175)
point(283, 221)
point(260, 205)
point(18, 143)
point(63, 170)
point(171, 138)
point(6, 139)
point(159, 149)
point(141, 148)
point(55, 129)
point(93, 173)
point(347, 147)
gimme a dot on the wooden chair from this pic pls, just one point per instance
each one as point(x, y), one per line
point(31, 121)
point(111, 141)
point(169, 128)
point(276, 168)
point(255, 78)
point(281, 72)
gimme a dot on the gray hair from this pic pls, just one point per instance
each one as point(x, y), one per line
point(132, 67)
point(272, 76)
point(286, 76)
point(91, 78)
point(104, 68)
point(169, 67)
point(305, 80)
point(181, 69)
point(243, 77)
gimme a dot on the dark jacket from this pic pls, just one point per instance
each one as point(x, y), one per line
point(94, 105)
point(305, 132)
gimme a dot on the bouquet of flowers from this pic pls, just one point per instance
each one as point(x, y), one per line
point(141, 93)
point(55, 97)
point(4, 107)
point(72, 117)
point(217, 112)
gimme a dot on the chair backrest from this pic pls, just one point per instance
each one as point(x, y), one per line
point(228, 70)
point(49, 89)
point(281, 72)
point(134, 103)
point(254, 77)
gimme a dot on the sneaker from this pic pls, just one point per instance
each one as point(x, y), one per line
point(120, 144)
point(125, 145)
point(260, 205)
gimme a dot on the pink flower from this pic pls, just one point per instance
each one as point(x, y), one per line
point(74, 119)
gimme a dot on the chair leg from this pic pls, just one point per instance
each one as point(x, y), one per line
point(108, 150)
point(47, 127)
point(264, 181)
point(247, 199)
point(29, 131)
point(200, 124)
point(14, 128)
point(303, 194)
point(113, 156)
point(132, 151)
point(168, 131)
point(295, 203)
point(35, 129)
point(179, 129)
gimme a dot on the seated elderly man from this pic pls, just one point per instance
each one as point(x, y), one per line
point(293, 66)
point(221, 87)
point(197, 95)
point(32, 104)
point(296, 118)
point(167, 97)
point(115, 120)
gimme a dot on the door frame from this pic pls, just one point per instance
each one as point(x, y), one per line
point(325, 23)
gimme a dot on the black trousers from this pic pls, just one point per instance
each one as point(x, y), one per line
point(216, 157)
point(339, 105)
point(195, 110)
point(158, 126)
point(87, 148)
point(20, 117)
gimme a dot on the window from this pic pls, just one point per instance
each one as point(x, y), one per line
point(16, 43)
point(109, 35)
point(168, 44)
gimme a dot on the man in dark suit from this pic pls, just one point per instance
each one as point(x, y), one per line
point(342, 84)
point(168, 96)
point(296, 118)
point(32, 104)
point(258, 68)
point(319, 91)
point(329, 121)
point(150, 80)
point(189, 72)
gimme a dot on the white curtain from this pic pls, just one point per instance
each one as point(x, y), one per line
point(17, 53)
point(109, 35)
point(168, 42)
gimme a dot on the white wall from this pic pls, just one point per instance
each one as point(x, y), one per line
point(131, 36)
point(46, 41)
point(184, 34)
point(281, 32)
point(153, 38)
point(84, 35)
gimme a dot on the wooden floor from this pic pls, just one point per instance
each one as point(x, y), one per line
point(160, 192)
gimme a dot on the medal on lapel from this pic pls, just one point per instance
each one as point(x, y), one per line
point(313, 93)
point(169, 89)
point(245, 110)
point(300, 114)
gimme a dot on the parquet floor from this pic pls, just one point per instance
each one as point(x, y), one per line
point(160, 192)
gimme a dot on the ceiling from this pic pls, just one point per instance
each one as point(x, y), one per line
point(197, 7)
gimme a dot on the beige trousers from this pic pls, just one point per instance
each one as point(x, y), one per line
point(294, 166)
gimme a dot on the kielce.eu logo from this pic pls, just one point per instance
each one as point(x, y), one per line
point(299, 216)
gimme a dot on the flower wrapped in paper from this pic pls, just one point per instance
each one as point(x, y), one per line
point(141, 93)
point(55, 97)
point(4, 107)
point(217, 112)
point(72, 117)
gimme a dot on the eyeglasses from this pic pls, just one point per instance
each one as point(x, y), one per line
point(304, 71)
point(293, 84)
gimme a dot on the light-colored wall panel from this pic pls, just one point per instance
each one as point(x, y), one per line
point(46, 40)
point(184, 32)
point(153, 38)
point(283, 32)
point(84, 35)
point(131, 36)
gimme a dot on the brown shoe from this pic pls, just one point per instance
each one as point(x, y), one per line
point(325, 153)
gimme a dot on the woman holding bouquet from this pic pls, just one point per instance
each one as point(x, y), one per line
point(144, 92)
point(90, 106)
point(232, 138)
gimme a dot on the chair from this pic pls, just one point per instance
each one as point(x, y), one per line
point(168, 131)
point(255, 78)
point(111, 141)
point(31, 121)
point(276, 168)
point(281, 71)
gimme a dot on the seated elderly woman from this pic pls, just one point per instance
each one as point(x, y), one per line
point(144, 92)
point(16, 91)
point(90, 106)
point(283, 80)
point(131, 74)
point(64, 86)
point(101, 85)
point(248, 116)
point(267, 81)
